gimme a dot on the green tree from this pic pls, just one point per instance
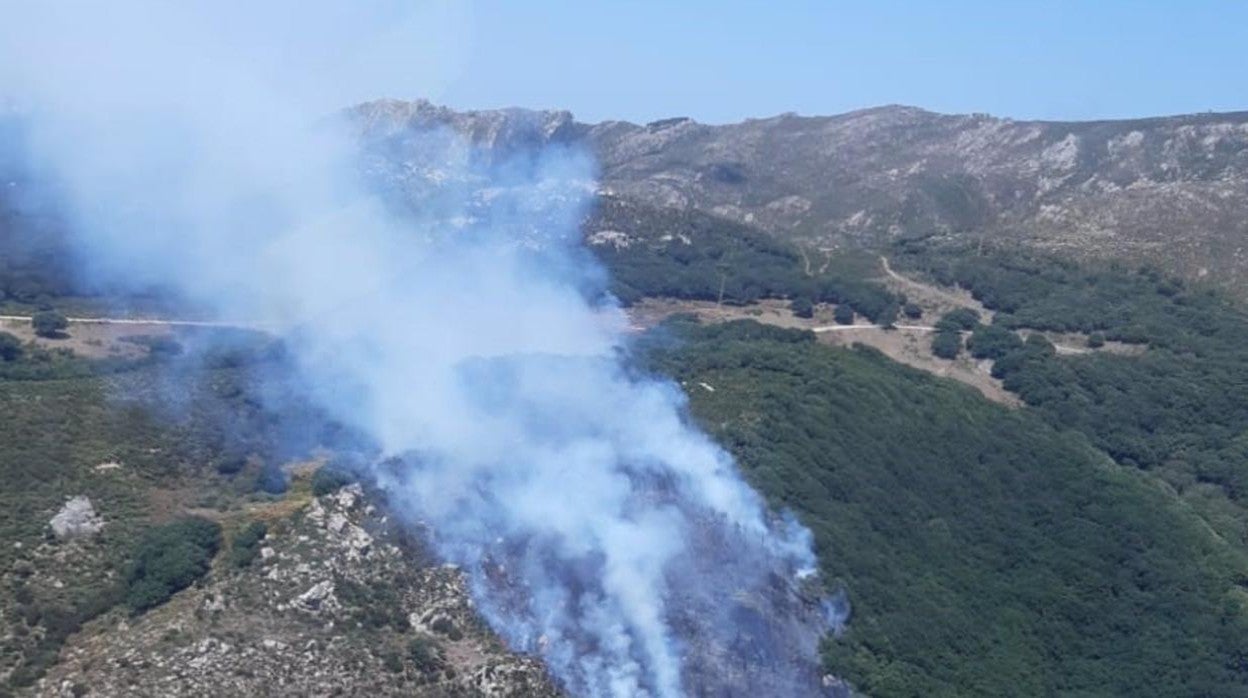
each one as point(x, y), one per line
point(329, 478)
point(10, 347)
point(802, 307)
point(844, 315)
point(271, 480)
point(232, 463)
point(912, 311)
point(49, 323)
point(947, 344)
point(992, 342)
point(960, 318)
point(170, 558)
point(425, 654)
point(887, 317)
point(246, 544)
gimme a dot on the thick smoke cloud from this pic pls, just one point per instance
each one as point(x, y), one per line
point(596, 526)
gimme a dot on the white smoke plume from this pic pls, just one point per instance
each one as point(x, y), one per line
point(194, 149)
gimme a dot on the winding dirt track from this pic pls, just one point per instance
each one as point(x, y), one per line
point(932, 289)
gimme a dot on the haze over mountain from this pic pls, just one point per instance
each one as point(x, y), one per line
point(1171, 191)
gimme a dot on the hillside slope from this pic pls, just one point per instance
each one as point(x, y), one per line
point(1170, 190)
point(985, 553)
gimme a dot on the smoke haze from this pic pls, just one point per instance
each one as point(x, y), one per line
point(198, 150)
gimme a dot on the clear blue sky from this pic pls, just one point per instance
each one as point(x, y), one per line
point(726, 60)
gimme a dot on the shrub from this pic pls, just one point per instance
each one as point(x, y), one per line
point(246, 544)
point(375, 605)
point(947, 344)
point(232, 464)
point(271, 480)
point(424, 653)
point(170, 558)
point(912, 311)
point(392, 662)
point(802, 307)
point(329, 478)
point(960, 318)
point(448, 628)
point(1039, 345)
point(992, 342)
point(1096, 340)
point(10, 347)
point(49, 323)
point(844, 315)
point(887, 317)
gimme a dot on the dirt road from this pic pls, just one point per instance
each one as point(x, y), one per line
point(132, 321)
point(843, 328)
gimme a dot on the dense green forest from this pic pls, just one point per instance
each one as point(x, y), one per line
point(1178, 410)
point(986, 552)
point(703, 257)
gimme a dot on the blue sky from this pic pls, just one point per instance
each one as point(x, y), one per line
point(723, 61)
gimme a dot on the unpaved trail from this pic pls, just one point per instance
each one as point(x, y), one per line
point(942, 299)
point(843, 328)
point(134, 321)
point(919, 286)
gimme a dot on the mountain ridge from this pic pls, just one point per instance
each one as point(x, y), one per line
point(1170, 191)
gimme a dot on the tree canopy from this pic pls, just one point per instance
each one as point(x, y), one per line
point(49, 323)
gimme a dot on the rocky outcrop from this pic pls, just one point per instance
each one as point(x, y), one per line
point(77, 519)
point(339, 602)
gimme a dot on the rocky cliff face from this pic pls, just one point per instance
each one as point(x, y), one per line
point(1172, 191)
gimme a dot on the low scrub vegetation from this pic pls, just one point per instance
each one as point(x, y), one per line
point(245, 547)
point(331, 477)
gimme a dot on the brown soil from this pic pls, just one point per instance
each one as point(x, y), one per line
point(934, 300)
point(913, 348)
point(651, 311)
point(907, 346)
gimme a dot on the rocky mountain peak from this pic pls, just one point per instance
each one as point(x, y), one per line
point(496, 129)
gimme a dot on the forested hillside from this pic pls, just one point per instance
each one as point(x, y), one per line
point(986, 553)
point(1178, 410)
point(694, 256)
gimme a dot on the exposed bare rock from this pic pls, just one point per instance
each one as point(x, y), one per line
point(1172, 191)
point(342, 605)
point(77, 519)
point(319, 597)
